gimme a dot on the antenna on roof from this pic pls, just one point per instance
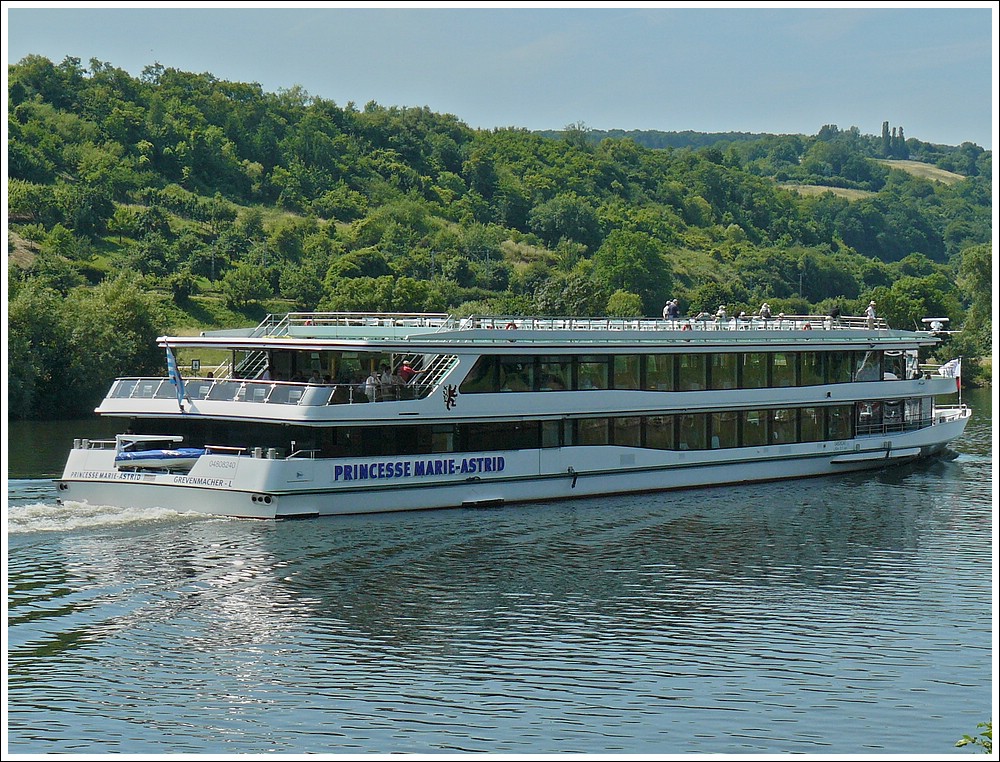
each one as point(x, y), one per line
point(936, 324)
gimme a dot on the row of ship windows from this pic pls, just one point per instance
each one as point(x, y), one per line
point(680, 431)
point(685, 372)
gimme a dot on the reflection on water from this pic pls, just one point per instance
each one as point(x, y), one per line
point(839, 615)
point(39, 449)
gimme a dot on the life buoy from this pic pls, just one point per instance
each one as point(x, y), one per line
point(511, 325)
point(807, 327)
point(686, 327)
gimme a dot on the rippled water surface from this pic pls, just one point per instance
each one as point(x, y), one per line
point(836, 615)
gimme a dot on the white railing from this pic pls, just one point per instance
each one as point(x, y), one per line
point(265, 392)
point(699, 323)
point(274, 325)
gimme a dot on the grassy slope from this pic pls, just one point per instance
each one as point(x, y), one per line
point(915, 168)
point(815, 190)
point(926, 171)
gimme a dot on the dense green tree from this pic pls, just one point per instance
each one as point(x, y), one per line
point(38, 339)
point(113, 331)
point(575, 293)
point(68, 351)
point(363, 263)
point(55, 272)
point(244, 285)
point(634, 263)
point(32, 202)
point(569, 216)
point(302, 286)
point(975, 284)
point(625, 304)
point(910, 299)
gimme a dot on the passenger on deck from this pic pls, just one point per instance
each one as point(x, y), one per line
point(389, 382)
point(407, 372)
point(371, 386)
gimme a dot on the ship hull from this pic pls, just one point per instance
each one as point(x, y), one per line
point(249, 487)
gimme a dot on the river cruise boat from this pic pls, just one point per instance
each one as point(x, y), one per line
point(315, 414)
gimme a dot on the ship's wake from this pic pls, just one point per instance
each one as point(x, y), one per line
point(51, 517)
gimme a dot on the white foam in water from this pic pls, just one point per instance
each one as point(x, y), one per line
point(46, 517)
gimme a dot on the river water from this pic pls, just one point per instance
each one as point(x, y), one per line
point(848, 615)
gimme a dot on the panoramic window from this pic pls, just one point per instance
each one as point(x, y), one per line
point(592, 373)
point(868, 366)
point(628, 431)
point(913, 412)
point(555, 374)
point(810, 424)
point(754, 424)
point(783, 369)
point(754, 370)
point(626, 371)
point(692, 432)
point(869, 415)
point(725, 430)
point(442, 438)
point(892, 414)
point(812, 368)
point(839, 367)
point(839, 421)
point(894, 366)
point(691, 372)
point(783, 425)
point(517, 374)
point(660, 373)
point(660, 432)
point(482, 377)
point(723, 370)
point(551, 433)
point(592, 431)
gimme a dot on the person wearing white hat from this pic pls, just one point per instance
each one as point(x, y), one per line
point(871, 314)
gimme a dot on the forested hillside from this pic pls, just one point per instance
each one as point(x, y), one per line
point(175, 201)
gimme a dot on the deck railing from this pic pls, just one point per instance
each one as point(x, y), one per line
point(280, 325)
point(266, 392)
point(700, 323)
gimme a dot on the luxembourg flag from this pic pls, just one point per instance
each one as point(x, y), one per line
point(952, 369)
point(175, 376)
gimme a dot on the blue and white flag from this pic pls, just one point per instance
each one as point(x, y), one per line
point(175, 377)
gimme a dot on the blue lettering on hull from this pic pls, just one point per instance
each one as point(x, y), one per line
point(401, 469)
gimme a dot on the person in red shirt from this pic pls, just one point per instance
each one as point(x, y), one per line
point(406, 371)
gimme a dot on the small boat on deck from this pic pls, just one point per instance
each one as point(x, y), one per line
point(137, 451)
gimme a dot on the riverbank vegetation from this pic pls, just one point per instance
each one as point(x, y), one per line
point(173, 201)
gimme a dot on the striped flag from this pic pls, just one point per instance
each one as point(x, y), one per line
point(175, 376)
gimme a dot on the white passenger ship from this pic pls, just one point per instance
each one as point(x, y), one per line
point(509, 410)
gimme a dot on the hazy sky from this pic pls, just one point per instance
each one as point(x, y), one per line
point(652, 66)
